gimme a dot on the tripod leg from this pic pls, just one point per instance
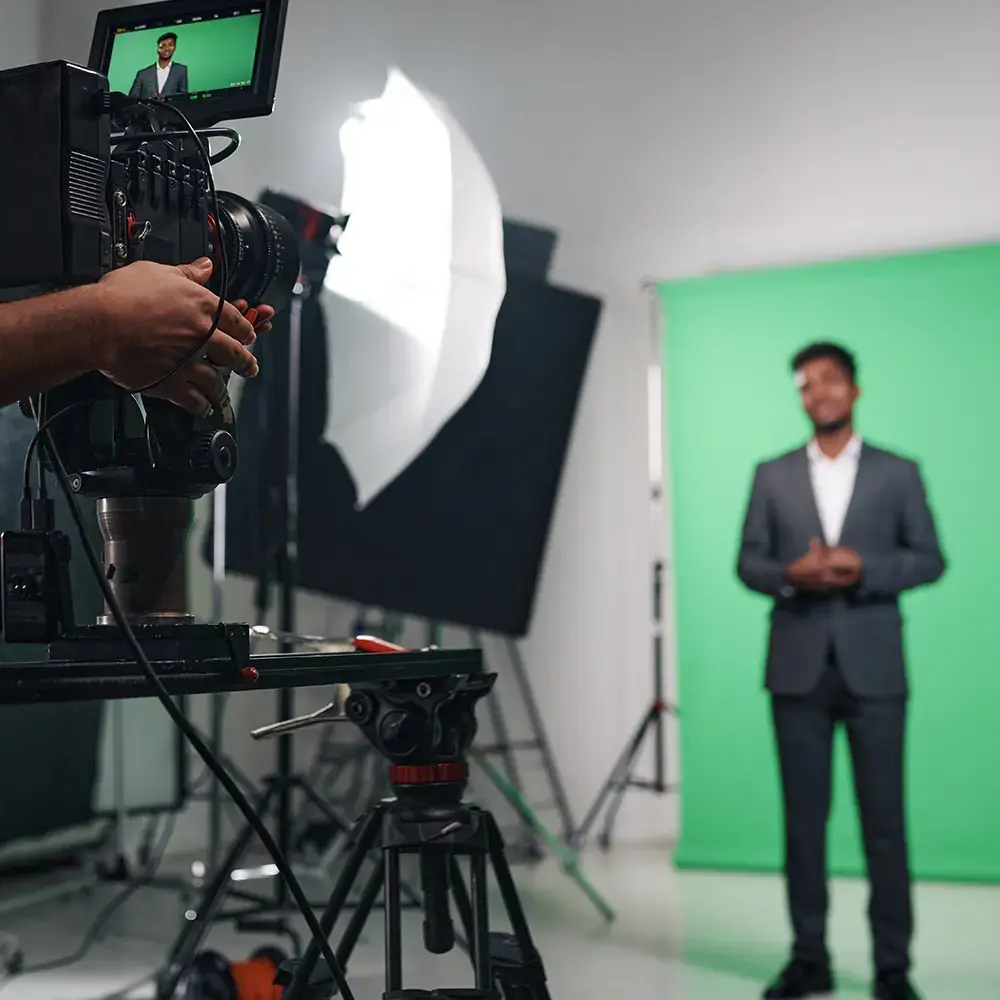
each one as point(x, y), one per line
point(194, 931)
point(516, 964)
point(361, 913)
point(367, 830)
point(463, 904)
point(480, 921)
point(393, 924)
point(323, 806)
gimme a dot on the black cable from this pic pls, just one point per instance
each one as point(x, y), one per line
point(191, 734)
point(221, 246)
point(207, 161)
point(42, 429)
point(235, 139)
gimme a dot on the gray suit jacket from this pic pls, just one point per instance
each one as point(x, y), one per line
point(145, 83)
point(890, 525)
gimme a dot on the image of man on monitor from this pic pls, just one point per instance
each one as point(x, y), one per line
point(166, 77)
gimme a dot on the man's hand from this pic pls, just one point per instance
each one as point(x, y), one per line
point(823, 568)
point(808, 572)
point(199, 387)
point(845, 566)
point(157, 315)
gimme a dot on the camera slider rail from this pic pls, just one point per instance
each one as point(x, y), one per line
point(93, 663)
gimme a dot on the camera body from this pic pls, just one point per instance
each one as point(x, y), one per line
point(79, 205)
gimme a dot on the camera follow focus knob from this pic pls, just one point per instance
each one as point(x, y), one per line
point(214, 456)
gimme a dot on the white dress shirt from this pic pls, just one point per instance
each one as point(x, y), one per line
point(833, 485)
point(162, 72)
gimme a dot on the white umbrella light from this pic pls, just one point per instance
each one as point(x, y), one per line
point(411, 299)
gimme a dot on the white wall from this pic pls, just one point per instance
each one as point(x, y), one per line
point(660, 138)
point(20, 33)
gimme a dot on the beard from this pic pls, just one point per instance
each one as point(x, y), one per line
point(833, 426)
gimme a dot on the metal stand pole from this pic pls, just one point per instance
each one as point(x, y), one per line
point(621, 777)
point(288, 572)
point(217, 701)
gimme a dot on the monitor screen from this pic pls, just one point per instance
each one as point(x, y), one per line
point(195, 56)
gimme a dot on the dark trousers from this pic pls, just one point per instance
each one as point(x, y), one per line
point(804, 727)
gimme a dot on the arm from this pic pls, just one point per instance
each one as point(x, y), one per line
point(135, 326)
point(757, 566)
point(49, 340)
point(917, 559)
point(182, 81)
point(136, 89)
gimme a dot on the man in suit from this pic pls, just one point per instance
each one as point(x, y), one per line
point(165, 78)
point(834, 533)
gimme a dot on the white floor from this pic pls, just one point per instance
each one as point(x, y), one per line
point(678, 937)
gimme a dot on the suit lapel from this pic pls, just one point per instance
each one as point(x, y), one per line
point(865, 495)
point(802, 496)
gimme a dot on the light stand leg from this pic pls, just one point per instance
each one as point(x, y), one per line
point(621, 777)
point(538, 728)
point(194, 932)
point(568, 857)
point(505, 748)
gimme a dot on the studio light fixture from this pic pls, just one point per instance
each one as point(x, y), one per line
point(412, 296)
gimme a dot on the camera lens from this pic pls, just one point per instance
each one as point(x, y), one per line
point(262, 253)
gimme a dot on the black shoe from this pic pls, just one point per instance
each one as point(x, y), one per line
point(801, 979)
point(894, 986)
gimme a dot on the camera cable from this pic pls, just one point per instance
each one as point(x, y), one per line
point(190, 732)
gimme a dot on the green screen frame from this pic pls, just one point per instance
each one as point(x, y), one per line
point(926, 331)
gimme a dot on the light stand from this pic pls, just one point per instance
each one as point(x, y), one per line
point(622, 776)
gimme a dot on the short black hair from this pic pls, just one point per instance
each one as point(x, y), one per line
point(825, 349)
point(165, 36)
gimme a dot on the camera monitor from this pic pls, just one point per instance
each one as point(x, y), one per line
point(214, 63)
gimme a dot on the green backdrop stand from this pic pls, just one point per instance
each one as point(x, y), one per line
point(926, 331)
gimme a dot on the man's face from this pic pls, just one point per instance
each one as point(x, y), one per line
point(165, 50)
point(828, 393)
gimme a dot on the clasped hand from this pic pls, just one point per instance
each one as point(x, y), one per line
point(825, 567)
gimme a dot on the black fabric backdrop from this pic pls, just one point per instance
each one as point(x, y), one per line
point(460, 536)
point(49, 752)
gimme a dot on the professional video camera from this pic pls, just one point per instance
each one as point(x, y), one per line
point(112, 166)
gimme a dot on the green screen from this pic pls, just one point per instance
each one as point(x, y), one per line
point(926, 331)
point(219, 54)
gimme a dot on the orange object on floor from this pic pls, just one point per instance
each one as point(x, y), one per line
point(254, 979)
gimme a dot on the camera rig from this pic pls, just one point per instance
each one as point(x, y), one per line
point(105, 182)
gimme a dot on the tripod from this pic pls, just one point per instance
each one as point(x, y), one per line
point(428, 818)
point(622, 776)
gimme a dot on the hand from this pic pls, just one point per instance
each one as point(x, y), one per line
point(809, 571)
point(156, 315)
point(845, 566)
point(823, 568)
point(260, 316)
point(200, 387)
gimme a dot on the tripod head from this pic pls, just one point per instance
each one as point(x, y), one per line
point(424, 728)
